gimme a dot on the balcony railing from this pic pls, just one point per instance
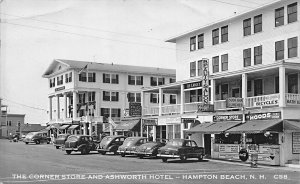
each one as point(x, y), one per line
point(151, 111)
point(292, 99)
point(257, 101)
point(191, 107)
point(170, 109)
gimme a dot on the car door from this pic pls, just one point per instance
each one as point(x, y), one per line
point(195, 150)
point(188, 148)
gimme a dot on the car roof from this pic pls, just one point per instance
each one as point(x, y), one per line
point(136, 138)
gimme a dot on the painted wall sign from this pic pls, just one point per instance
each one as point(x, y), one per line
point(235, 117)
point(262, 116)
point(60, 88)
point(296, 142)
point(267, 101)
point(205, 82)
point(135, 109)
point(234, 102)
point(193, 85)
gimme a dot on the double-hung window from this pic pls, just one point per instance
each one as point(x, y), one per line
point(131, 80)
point(200, 41)
point(279, 50)
point(82, 77)
point(292, 47)
point(193, 69)
point(292, 12)
point(200, 68)
point(91, 77)
point(106, 78)
point(247, 27)
point(215, 36)
point(257, 23)
point(172, 99)
point(193, 43)
point(114, 78)
point(279, 16)
point(114, 96)
point(154, 98)
point(224, 34)
point(106, 96)
point(215, 61)
point(224, 60)
point(247, 57)
point(257, 55)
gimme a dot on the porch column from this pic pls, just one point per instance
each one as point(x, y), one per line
point(84, 128)
point(173, 126)
point(281, 86)
point(182, 98)
point(212, 91)
point(147, 132)
point(160, 99)
point(244, 86)
point(154, 133)
point(90, 128)
point(58, 108)
point(50, 108)
point(181, 130)
point(97, 105)
point(74, 104)
point(142, 102)
point(65, 106)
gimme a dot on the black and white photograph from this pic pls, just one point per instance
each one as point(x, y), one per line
point(149, 91)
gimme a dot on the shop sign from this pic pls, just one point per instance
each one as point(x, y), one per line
point(60, 88)
point(205, 108)
point(126, 113)
point(229, 148)
point(187, 120)
point(293, 102)
point(235, 117)
point(149, 122)
point(267, 101)
point(234, 102)
point(170, 120)
point(263, 116)
point(193, 85)
point(135, 109)
point(296, 142)
point(205, 82)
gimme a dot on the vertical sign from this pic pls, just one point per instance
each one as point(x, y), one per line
point(205, 82)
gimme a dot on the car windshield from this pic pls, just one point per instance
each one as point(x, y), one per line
point(175, 143)
point(30, 135)
point(107, 139)
point(72, 138)
point(129, 141)
point(61, 136)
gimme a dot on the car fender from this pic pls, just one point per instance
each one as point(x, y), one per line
point(112, 148)
point(82, 146)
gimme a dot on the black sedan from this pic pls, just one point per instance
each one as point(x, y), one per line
point(110, 144)
point(149, 149)
point(130, 144)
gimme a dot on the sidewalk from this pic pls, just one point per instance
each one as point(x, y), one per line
point(291, 167)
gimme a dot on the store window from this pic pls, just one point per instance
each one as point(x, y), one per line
point(224, 60)
point(193, 43)
point(261, 138)
point(258, 55)
point(229, 139)
point(170, 131)
point(215, 61)
point(258, 87)
point(257, 23)
point(292, 12)
point(293, 83)
point(279, 16)
point(224, 34)
point(293, 47)
point(247, 57)
point(199, 95)
point(177, 131)
point(200, 41)
point(193, 69)
point(215, 36)
point(279, 50)
point(247, 26)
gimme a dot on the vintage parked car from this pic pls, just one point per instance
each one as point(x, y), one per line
point(110, 144)
point(60, 140)
point(37, 138)
point(82, 143)
point(149, 149)
point(181, 148)
point(130, 144)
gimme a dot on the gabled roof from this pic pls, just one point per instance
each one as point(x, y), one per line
point(32, 128)
point(93, 66)
point(226, 20)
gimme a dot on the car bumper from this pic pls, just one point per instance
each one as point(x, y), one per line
point(69, 149)
point(168, 156)
point(144, 154)
point(29, 141)
point(126, 152)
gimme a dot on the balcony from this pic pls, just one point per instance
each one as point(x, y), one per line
point(170, 109)
point(264, 100)
point(191, 107)
point(151, 111)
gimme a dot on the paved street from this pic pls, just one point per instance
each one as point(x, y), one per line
point(32, 163)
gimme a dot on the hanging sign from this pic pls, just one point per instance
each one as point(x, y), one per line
point(205, 82)
point(234, 102)
point(235, 117)
point(193, 85)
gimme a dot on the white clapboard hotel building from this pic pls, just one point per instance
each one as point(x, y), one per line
point(254, 87)
point(84, 95)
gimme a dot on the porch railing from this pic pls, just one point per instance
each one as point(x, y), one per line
point(257, 101)
point(151, 111)
point(292, 99)
point(220, 105)
point(191, 107)
point(170, 109)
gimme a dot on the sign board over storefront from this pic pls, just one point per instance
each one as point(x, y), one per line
point(263, 116)
point(193, 85)
point(235, 117)
point(205, 108)
point(267, 101)
point(135, 109)
point(149, 122)
point(205, 82)
point(169, 120)
point(60, 88)
point(234, 102)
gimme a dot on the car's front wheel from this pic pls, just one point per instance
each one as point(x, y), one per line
point(103, 153)
point(164, 159)
point(57, 147)
point(68, 152)
point(26, 142)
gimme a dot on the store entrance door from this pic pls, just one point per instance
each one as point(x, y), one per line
point(207, 144)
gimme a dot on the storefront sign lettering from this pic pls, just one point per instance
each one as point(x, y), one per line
point(135, 109)
point(262, 116)
point(293, 102)
point(60, 88)
point(235, 117)
point(234, 102)
point(172, 120)
point(205, 81)
point(193, 85)
point(150, 122)
point(296, 142)
point(205, 108)
point(227, 148)
point(266, 103)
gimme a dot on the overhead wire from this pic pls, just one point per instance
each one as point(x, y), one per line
point(28, 106)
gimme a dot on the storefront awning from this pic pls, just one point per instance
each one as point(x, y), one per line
point(127, 125)
point(291, 124)
point(72, 127)
point(63, 127)
point(213, 127)
point(258, 126)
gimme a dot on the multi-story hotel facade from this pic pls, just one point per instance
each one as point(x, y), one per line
point(254, 86)
point(84, 95)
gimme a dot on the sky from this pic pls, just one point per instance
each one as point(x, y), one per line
point(132, 32)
